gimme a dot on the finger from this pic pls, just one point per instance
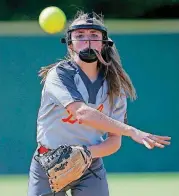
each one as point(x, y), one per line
point(163, 142)
point(156, 144)
point(146, 144)
point(153, 143)
point(163, 137)
point(159, 140)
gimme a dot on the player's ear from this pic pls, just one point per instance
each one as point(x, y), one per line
point(70, 49)
point(70, 46)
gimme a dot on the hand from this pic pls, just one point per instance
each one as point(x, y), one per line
point(150, 140)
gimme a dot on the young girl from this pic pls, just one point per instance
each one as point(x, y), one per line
point(83, 98)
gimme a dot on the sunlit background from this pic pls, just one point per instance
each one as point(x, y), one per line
point(146, 34)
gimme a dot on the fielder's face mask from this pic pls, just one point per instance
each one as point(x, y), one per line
point(88, 55)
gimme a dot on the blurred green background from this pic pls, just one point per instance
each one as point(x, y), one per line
point(146, 34)
point(119, 184)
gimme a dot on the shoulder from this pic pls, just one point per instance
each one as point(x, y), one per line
point(62, 69)
point(120, 100)
point(120, 108)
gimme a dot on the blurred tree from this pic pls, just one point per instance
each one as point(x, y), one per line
point(166, 11)
point(130, 8)
point(4, 11)
point(30, 9)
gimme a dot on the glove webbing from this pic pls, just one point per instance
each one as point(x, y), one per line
point(75, 188)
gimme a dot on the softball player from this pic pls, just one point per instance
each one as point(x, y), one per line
point(83, 98)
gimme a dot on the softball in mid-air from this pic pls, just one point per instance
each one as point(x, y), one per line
point(52, 20)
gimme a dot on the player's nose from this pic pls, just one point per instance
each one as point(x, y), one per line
point(87, 42)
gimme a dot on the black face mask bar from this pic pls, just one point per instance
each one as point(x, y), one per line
point(69, 41)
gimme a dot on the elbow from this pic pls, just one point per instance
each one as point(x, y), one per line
point(113, 149)
point(116, 147)
point(80, 111)
point(119, 146)
point(83, 114)
point(116, 143)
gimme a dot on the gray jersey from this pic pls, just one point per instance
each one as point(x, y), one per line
point(67, 83)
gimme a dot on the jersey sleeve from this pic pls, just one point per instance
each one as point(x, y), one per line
point(120, 109)
point(60, 86)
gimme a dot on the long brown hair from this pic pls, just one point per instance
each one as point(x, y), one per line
point(109, 62)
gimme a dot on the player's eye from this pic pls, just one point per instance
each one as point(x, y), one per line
point(80, 36)
point(94, 36)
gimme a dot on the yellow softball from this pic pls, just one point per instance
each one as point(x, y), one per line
point(52, 20)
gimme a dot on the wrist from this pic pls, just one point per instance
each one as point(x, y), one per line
point(92, 151)
point(132, 132)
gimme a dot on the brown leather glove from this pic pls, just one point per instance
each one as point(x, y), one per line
point(65, 165)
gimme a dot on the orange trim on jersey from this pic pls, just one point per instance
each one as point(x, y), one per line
point(100, 107)
point(68, 119)
point(72, 121)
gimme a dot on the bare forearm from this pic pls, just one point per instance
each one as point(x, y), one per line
point(106, 148)
point(95, 119)
point(100, 121)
